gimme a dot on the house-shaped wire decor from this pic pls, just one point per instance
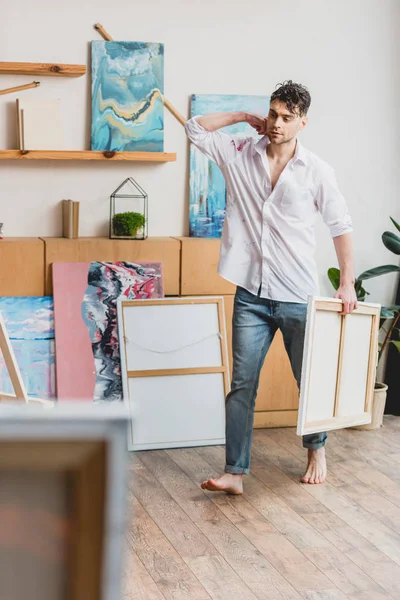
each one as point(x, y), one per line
point(128, 211)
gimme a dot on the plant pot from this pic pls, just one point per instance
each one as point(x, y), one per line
point(378, 408)
point(119, 232)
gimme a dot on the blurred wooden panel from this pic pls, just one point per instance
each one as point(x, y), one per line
point(22, 267)
point(157, 249)
point(199, 274)
point(277, 390)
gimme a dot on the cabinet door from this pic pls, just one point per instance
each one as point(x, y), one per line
point(277, 396)
point(199, 274)
point(22, 267)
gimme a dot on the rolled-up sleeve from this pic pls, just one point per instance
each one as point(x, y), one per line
point(220, 147)
point(332, 204)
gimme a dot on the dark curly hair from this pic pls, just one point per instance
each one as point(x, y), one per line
point(296, 97)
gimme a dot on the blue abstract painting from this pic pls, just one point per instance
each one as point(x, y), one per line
point(207, 184)
point(30, 327)
point(127, 88)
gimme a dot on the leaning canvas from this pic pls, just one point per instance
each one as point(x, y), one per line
point(30, 326)
point(175, 371)
point(85, 314)
point(207, 184)
point(127, 88)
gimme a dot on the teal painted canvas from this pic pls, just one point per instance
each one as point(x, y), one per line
point(207, 183)
point(127, 88)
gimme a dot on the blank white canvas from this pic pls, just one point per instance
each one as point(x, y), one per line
point(321, 373)
point(355, 365)
point(172, 336)
point(41, 124)
point(177, 411)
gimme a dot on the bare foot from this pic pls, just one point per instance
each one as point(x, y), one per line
point(316, 467)
point(229, 483)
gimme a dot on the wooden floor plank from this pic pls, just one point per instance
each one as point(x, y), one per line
point(245, 560)
point(167, 569)
point(187, 539)
point(352, 445)
point(325, 595)
point(274, 545)
point(369, 596)
point(281, 540)
point(365, 523)
point(371, 536)
point(339, 569)
point(211, 570)
point(137, 583)
point(360, 551)
point(276, 510)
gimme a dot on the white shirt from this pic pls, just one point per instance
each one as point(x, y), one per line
point(268, 236)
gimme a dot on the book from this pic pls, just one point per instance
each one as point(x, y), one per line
point(75, 219)
point(67, 206)
point(70, 219)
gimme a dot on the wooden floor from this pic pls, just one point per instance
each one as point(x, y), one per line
point(281, 540)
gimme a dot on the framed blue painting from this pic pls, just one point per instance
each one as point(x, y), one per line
point(127, 104)
point(207, 184)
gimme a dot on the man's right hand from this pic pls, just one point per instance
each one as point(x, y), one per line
point(258, 122)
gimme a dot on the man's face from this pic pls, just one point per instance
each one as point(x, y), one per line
point(283, 125)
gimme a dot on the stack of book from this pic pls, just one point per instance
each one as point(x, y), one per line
point(70, 219)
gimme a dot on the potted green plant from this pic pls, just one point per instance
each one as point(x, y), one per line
point(392, 313)
point(127, 224)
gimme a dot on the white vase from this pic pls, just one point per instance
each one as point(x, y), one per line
point(378, 407)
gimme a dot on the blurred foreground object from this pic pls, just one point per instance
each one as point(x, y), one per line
point(62, 491)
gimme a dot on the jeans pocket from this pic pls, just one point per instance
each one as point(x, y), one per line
point(244, 297)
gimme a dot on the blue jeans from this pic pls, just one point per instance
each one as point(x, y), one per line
point(255, 322)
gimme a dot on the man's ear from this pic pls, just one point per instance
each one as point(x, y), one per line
point(303, 123)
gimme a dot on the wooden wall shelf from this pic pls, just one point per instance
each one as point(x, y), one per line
point(52, 69)
point(87, 155)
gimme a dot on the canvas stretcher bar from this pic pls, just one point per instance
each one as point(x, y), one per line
point(339, 364)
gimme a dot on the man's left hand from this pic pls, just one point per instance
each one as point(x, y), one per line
point(347, 294)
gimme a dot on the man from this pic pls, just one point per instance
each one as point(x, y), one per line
point(275, 189)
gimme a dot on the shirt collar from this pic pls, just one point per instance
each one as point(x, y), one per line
point(300, 153)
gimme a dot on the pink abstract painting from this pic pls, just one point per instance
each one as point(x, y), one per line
point(85, 317)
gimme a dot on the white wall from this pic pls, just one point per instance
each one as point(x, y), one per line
point(345, 51)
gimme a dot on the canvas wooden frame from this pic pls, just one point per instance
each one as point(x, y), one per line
point(128, 374)
point(318, 306)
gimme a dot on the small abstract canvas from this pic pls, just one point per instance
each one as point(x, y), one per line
point(207, 184)
point(30, 327)
point(85, 307)
point(127, 88)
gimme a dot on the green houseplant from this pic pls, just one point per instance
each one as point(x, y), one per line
point(127, 224)
point(389, 321)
